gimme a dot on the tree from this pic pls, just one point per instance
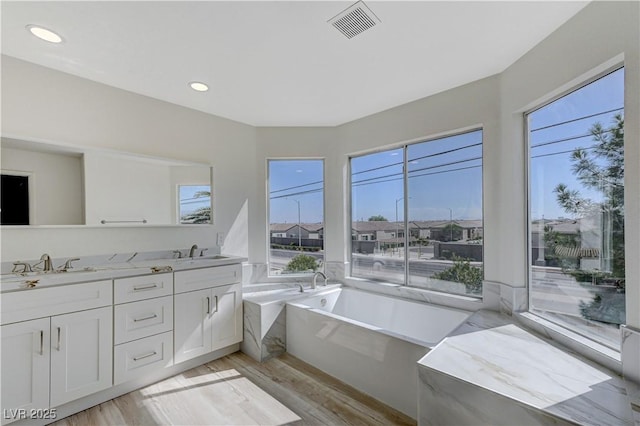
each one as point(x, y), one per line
point(601, 168)
point(199, 215)
point(378, 218)
point(302, 262)
point(463, 272)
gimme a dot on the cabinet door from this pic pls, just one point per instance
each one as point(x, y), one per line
point(192, 324)
point(81, 354)
point(25, 368)
point(226, 316)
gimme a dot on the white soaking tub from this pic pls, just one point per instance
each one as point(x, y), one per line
point(368, 340)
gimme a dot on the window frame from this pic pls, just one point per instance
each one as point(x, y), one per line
point(349, 202)
point(268, 161)
point(557, 327)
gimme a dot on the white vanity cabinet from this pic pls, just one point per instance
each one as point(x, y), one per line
point(56, 346)
point(25, 367)
point(81, 360)
point(208, 310)
point(143, 326)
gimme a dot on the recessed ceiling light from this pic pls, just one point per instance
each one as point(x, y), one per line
point(198, 86)
point(44, 34)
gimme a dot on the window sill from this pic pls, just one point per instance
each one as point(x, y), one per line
point(414, 293)
point(572, 341)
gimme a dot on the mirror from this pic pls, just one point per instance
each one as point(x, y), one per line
point(45, 184)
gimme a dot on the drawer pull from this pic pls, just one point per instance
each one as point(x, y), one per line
point(208, 305)
point(41, 342)
point(59, 331)
point(138, 358)
point(145, 287)
point(216, 304)
point(145, 318)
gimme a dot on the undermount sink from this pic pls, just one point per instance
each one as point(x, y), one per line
point(197, 258)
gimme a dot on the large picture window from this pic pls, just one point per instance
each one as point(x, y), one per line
point(576, 209)
point(417, 215)
point(296, 216)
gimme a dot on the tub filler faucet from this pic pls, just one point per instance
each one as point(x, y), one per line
point(315, 277)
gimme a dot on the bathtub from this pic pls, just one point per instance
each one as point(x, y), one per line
point(264, 316)
point(369, 341)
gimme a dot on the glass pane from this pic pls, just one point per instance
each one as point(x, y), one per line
point(296, 216)
point(445, 214)
point(377, 206)
point(577, 210)
point(195, 203)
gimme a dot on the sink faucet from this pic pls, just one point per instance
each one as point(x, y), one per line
point(25, 267)
point(48, 265)
point(179, 253)
point(315, 277)
point(193, 249)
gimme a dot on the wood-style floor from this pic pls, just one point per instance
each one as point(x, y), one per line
point(236, 390)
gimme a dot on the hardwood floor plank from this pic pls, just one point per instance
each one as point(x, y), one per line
point(236, 390)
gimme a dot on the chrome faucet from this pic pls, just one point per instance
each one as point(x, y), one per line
point(193, 249)
point(315, 277)
point(48, 265)
point(25, 267)
point(301, 287)
point(179, 253)
point(67, 264)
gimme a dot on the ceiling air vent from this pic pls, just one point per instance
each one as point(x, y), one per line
point(354, 20)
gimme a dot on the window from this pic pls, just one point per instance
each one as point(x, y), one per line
point(576, 210)
point(296, 216)
point(439, 183)
point(194, 203)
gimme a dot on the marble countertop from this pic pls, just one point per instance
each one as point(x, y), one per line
point(492, 352)
point(19, 282)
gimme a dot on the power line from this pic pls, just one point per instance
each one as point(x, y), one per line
point(561, 152)
point(575, 119)
point(418, 158)
point(445, 164)
point(297, 186)
point(445, 152)
point(570, 138)
point(296, 193)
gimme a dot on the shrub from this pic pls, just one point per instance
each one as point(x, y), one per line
point(302, 262)
point(463, 272)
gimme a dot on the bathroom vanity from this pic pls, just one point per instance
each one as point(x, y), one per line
point(73, 340)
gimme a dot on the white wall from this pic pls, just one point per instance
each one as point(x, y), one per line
point(57, 184)
point(41, 104)
point(599, 36)
point(602, 33)
point(50, 105)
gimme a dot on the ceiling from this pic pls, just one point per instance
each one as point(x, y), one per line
point(279, 63)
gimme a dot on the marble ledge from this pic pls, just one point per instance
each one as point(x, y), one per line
point(509, 375)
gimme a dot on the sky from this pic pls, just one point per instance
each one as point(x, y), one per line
point(445, 175)
point(189, 203)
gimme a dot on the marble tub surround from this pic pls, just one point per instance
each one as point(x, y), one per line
point(265, 316)
point(630, 349)
point(492, 371)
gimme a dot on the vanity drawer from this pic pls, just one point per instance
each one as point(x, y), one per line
point(141, 319)
point(144, 287)
point(198, 279)
point(141, 357)
point(48, 301)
